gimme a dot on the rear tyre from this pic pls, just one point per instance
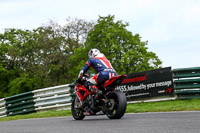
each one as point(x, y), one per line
point(77, 112)
point(118, 105)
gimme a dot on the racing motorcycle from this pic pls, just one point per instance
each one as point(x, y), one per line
point(111, 102)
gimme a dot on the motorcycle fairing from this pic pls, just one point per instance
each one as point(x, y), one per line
point(113, 79)
point(82, 92)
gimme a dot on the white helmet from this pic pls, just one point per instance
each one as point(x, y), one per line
point(93, 52)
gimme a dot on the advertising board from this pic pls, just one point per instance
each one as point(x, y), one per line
point(147, 84)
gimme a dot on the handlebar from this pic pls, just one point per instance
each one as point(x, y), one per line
point(81, 81)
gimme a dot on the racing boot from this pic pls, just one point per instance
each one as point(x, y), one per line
point(96, 91)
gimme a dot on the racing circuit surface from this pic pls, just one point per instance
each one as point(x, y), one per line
point(169, 122)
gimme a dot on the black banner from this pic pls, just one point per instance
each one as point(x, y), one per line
point(148, 84)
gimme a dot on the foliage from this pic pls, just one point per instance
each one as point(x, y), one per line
point(4, 81)
point(39, 58)
point(53, 54)
point(126, 52)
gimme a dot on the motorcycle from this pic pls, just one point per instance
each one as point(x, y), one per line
point(111, 102)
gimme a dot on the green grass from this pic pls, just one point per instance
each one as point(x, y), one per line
point(165, 106)
point(52, 113)
point(162, 106)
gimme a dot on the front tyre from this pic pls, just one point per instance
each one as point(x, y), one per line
point(77, 112)
point(118, 105)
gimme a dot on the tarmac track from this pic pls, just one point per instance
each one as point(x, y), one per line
point(168, 122)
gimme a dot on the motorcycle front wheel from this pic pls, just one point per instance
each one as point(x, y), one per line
point(118, 105)
point(77, 112)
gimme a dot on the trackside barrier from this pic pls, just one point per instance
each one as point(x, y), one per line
point(57, 97)
point(3, 109)
point(52, 98)
point(187, 82)
point(20, 104)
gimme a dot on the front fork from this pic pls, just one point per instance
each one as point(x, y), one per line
point(78, 102)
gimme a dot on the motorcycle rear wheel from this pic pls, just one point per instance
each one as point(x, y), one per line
point(117, 110)
point(77, 113)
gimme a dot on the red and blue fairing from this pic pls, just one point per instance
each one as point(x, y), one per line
point(112, 82)
point(82, 92)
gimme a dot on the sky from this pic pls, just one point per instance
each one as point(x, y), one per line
point(171, 27)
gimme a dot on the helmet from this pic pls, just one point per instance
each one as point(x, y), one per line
point(93, 52)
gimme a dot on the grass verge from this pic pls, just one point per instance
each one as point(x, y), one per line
point(162, 106)
point(165, 106)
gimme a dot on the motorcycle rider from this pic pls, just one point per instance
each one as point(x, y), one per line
point(102, 66)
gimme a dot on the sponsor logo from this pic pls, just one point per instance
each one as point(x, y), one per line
point(168, 90)
point(136, 79)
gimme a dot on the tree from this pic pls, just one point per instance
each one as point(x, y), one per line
point(18, 57)
point(126, 52)
point(58, 44)
point(4, 81)
point(53, 54)
point(39, 58)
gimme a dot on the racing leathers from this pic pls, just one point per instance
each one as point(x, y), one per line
point(103, 68)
